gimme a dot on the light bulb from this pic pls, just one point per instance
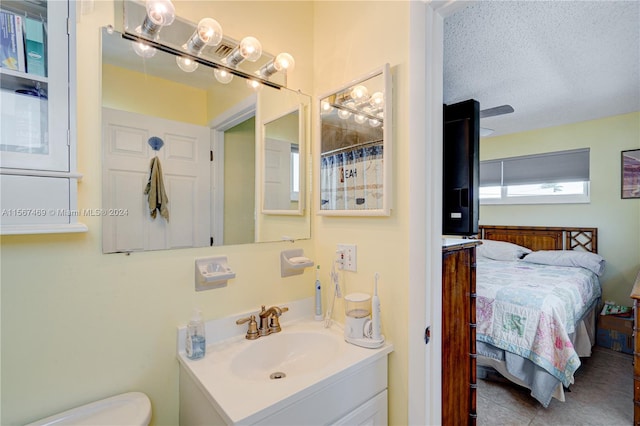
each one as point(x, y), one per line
point(223, 76)
point(359, 118)
point(160, 13)
point(359, 93)
point(325, 106)
point(208, 33)
point(344, 114)
point(377, 99)
point(254, 85)
point(249, 49)
point(143, 50)
point(186, 64)
point(282, 62)
point(374, 123)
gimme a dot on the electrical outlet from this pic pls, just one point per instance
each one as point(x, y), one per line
point(349, 258)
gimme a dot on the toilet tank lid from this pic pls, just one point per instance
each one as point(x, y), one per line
point(132, 408)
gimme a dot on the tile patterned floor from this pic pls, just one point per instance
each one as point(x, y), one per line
point(602, 395)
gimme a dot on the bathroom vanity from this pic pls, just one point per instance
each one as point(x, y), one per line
point(305, 374)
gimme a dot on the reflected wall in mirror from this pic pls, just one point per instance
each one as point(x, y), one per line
point(282, 182)
point(210, 158)
point(356, 147)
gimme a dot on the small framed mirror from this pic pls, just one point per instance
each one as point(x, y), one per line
point(356, 147)
point(282, 167)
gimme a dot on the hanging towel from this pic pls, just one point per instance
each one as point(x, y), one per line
point(155, 191)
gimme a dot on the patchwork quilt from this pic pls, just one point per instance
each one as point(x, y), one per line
point(531, 309)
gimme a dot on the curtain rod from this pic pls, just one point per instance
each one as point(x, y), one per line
point(349, 148)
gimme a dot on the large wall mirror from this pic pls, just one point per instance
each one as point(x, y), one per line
point(213, 155)
point(356, 147)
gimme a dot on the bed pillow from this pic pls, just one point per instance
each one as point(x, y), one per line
point(500, 250)
point(584, 259)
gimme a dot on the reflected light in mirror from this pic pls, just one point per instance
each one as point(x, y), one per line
point(223, 76)
point(186, 64)
point(143, 50)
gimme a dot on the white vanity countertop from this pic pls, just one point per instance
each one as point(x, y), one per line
point(249, 399)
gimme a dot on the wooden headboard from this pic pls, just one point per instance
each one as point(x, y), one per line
point(543, 238)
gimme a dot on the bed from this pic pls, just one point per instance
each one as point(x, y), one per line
point(537, 291)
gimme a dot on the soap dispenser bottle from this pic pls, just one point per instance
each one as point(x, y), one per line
point(196, 343)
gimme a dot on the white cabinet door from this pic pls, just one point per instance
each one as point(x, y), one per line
point(38, 167)
point(35, 108)
point(372, 413)
point(184, 158)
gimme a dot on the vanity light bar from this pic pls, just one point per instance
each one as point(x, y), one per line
point(357, 112)
point(214, 65)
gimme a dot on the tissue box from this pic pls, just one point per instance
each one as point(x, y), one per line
point(615, 333)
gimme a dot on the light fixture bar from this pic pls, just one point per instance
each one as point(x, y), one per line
point(357, 112)
point(215, 65)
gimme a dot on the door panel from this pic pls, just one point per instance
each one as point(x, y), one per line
point(184, 159)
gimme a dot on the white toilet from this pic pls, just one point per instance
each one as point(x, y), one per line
point(127, 409)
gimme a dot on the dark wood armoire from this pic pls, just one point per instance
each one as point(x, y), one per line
point(459, 333)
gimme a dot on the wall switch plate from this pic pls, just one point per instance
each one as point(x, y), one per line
point(349, 258)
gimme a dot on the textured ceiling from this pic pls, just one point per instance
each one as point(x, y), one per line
point(555, 62)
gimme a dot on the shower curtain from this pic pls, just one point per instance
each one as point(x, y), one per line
point(352, 178)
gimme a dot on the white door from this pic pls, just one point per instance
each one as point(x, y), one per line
point(184, 158)
point(277, 175)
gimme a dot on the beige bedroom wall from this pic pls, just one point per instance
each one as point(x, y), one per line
point(617, 220)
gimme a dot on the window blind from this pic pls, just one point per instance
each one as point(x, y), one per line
point(491, 173)
point(551, 167)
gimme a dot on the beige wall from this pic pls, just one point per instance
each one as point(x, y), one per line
point(617, 220)
point(135, 92)
point(78, 325)
point(345, 49)
point(240, 182)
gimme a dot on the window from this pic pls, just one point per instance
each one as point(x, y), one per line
point(554, 177)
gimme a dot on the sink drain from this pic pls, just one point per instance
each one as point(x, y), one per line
point(277, 375)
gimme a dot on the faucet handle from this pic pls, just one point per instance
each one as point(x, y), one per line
point(274, 321)
point(252, 331)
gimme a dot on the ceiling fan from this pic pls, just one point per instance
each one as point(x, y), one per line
point(492, 112)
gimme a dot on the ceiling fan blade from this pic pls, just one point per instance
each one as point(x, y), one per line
point(499, 110)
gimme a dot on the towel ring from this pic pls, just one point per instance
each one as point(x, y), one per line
point(155, 143)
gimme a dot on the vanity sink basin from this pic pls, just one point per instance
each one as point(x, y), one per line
point(290, 377)
point(285, 355)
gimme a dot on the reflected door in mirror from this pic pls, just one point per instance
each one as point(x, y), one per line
point(126, 171)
